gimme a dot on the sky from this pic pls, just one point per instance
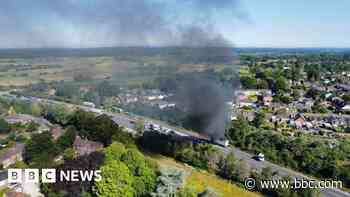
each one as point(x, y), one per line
point(296, 23)
point(241, 23)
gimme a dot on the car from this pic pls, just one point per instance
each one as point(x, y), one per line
point(259, 157)
point(222, 142)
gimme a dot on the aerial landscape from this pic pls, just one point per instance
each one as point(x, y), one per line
point(178, 98)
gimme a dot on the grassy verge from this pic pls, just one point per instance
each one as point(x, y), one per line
point(200, 180)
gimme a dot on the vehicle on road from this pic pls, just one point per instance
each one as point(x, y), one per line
point(222, 142)
point(259, 157)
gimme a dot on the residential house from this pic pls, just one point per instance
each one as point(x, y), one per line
point(18, 119)
point(12, 155)
point(85, 147)
point(130, 99)
point(242, 98)
point(51, 92)
point(85, 89)
point(299, 121)
point(15, 194)
point(25, 188)
point(56, 132)
point(267, 100)
point(44, 125)
point(248, 115)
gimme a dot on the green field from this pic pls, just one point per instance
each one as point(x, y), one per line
point(201, 180)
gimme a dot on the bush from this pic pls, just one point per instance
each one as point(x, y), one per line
point(169, 181)
point(4, 126)
point(117, 180)
point(69, 154)
point(303, 153)
point(41, 150)
point(143, 172)
point(102, 128)
point(67, 139)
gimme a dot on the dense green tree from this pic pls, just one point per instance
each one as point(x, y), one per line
point(69, 154)
point(4, 126)
point(318, 108)
point(259, 119)
point(186, 192)
point(313, 72)
point(243, 170)
point(101, 128)
point(313, 93)
point(93, 97)
point(282, 98)
point(115, 151)
point(32, 126)
point(67, 139)
point(36, 109)
point(105, 89)
point(249, 82)
point(203, 156)
point(296, 93)
point(117, 181)
point(143, 172)
point(304, 153)
point(57, 113)
point(346, 98)
point(296, 71)
point(263, 84)
point(67, 90)
point(238, 131)
point(41, 150)
point(281, 84)
point(228, 167)
point(144, 175)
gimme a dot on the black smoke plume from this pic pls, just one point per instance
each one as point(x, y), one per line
point(103, 23)
point(99, 23)
point(202, 98)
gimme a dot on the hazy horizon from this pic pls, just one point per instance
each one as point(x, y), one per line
point(249, 23)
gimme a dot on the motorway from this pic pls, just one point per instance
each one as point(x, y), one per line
point(125, 120)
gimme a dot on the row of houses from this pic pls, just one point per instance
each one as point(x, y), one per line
point(44, 125)
point(154, 98)
point(250, 101)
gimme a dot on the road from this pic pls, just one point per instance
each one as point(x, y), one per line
point(126, 120)
point(282, 171)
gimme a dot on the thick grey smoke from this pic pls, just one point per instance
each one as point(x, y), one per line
point(203, 100)
point(98, 23)
point(94, 23)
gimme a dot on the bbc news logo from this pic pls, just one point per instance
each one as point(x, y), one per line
point(52, 175)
